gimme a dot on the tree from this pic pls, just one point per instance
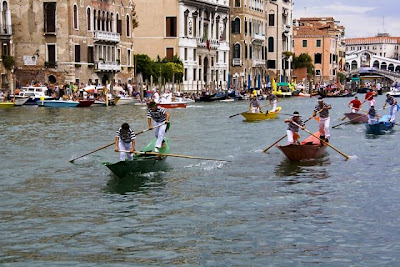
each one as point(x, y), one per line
point(304, 61)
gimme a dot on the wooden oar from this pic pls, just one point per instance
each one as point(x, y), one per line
point(172, 155)
point(263, 106)
point(323, 141)
point(110, 144)
point(337, 125)
point(266, 149)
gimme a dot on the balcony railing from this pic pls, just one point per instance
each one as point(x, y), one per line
point(237, 62)
point(259, 37)
point(258, 63)
point(202, 42)
point(108, 66)
point(102, 36)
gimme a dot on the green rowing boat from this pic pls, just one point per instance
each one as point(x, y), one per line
point(141, 163)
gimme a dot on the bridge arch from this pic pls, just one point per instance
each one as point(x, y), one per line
point(376, 64)
point(391, 67)
point(398, 69)
point(354, 65)
point(383, 66)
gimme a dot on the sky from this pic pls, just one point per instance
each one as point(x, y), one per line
point(361, 18)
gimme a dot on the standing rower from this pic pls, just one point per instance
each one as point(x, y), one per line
point(324, 119)
point(369, 96)
point(293, 129)
point(159, 116)
point(254, 106)
point(393, 106)
point(273, 101)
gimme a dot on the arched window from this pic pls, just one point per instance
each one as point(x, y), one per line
point(270, 44)
point(398, 69)
point(236, 51)
point(107, 22)
point(88, 20)
point(75, 17)
point(236, 25)
point(376, 64)
point(391, 67)
point(354, 65)
point(111, 22)
point(383, 66)
point(99, 20)
point(94, 19)
point(103, 21)
point(128, 26)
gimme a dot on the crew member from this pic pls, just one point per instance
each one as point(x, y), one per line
point(393, 106)
point(254, 106)
point(125, 140)
point(293, 129)
point(324, 119)
point(159, 117)
point(355, 105)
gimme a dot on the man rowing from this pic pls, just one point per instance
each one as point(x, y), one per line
point(393, 106)
point(159, 117)
point(324, 119)
point(273, 101)
point(293, 129)
point(369, 96)
point(254, 106)
point(355, 105)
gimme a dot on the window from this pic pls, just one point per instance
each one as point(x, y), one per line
point(90, 54)
point(304, 43)
point(250, 52)
point(271, 19)
point(51, 55)
point(245, 51)
point(75, 17)
point(236, 26)
point(129, 54)
point(185, 54)
point(49, 17)
point(318, 72)
point(194, 54)
point(236, 51)
point(237, 3)
point(194, 74)
point(185, 23)
point(170, 30)
point(270, 44)
point(185, 75)
point(169, 52)
point(119, 24)
point(245, 26)
point(88, 20)
point(318, 58)
point(271, 64)
point(128, 26)
point(224, 57)
point(318, 43)
point(77, 53)
point(224, 75)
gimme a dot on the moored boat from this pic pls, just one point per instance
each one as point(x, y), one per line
point(259, 116)
point(380, 127)
point(308, 149)
point(85, 103)
point(7, 104)
point(325, 94)
point(57, 103)
point(141, 163)
point(173, 104)
point(21, 101)
point(34, 93)
point(356, 117)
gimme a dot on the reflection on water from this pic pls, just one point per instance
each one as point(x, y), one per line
point(135, 182)
point(307, 168)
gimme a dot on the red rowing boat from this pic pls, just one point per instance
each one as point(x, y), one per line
point(177, 104)
point(357, 117)
point(310, 148)
point(85, 103)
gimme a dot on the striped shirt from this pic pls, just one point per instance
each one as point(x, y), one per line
point(324, 113)
point(157, 115)
point(390, 100)
point(293, 127)
point(125, 137)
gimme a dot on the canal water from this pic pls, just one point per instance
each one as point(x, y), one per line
point(257, 210)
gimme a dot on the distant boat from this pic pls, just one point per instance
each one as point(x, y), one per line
point(85, 103)
point(141, 163)
point(260, 116)
point(58, 103)
point(7, 104)
point(34, 93)
point(308, 149)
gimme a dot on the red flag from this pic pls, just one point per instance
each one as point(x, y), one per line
point(208, 44)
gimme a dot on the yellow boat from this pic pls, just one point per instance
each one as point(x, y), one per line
point(261, 116)
point(6, 104)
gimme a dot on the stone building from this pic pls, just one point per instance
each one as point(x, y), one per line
point(7, 52)
point(261, 31)
point(322, 39)
point(196, 31)
point(84, 41)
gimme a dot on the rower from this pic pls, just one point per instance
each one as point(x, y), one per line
point(324, 119)
point(125, 141)
point(355, 105)
point(254, 106)
point(273, 101)
point(293, 129)
point(393, 106)
point(159, 116)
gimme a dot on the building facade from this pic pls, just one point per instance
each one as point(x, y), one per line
point(196, 31)
point(381, 45)
point(261, 31)
point(322, 39)
point(84, 41)
point(7, 51)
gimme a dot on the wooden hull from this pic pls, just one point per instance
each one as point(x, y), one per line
point(260, 116)
point(357, 117)
point(85, 103)
point(141, 163)
point(381, 127)
point(7, 104)
point(309, 149)
point(173, 105)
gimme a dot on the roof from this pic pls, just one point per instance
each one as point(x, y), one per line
point(373, 40)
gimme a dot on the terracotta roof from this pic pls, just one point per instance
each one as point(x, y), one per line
point(373, 40)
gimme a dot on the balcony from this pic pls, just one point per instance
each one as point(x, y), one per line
point(237, 62)
point(202, 42)
point(258, 63)
point(109, 37)
point(258, 37)
point(107, 66)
